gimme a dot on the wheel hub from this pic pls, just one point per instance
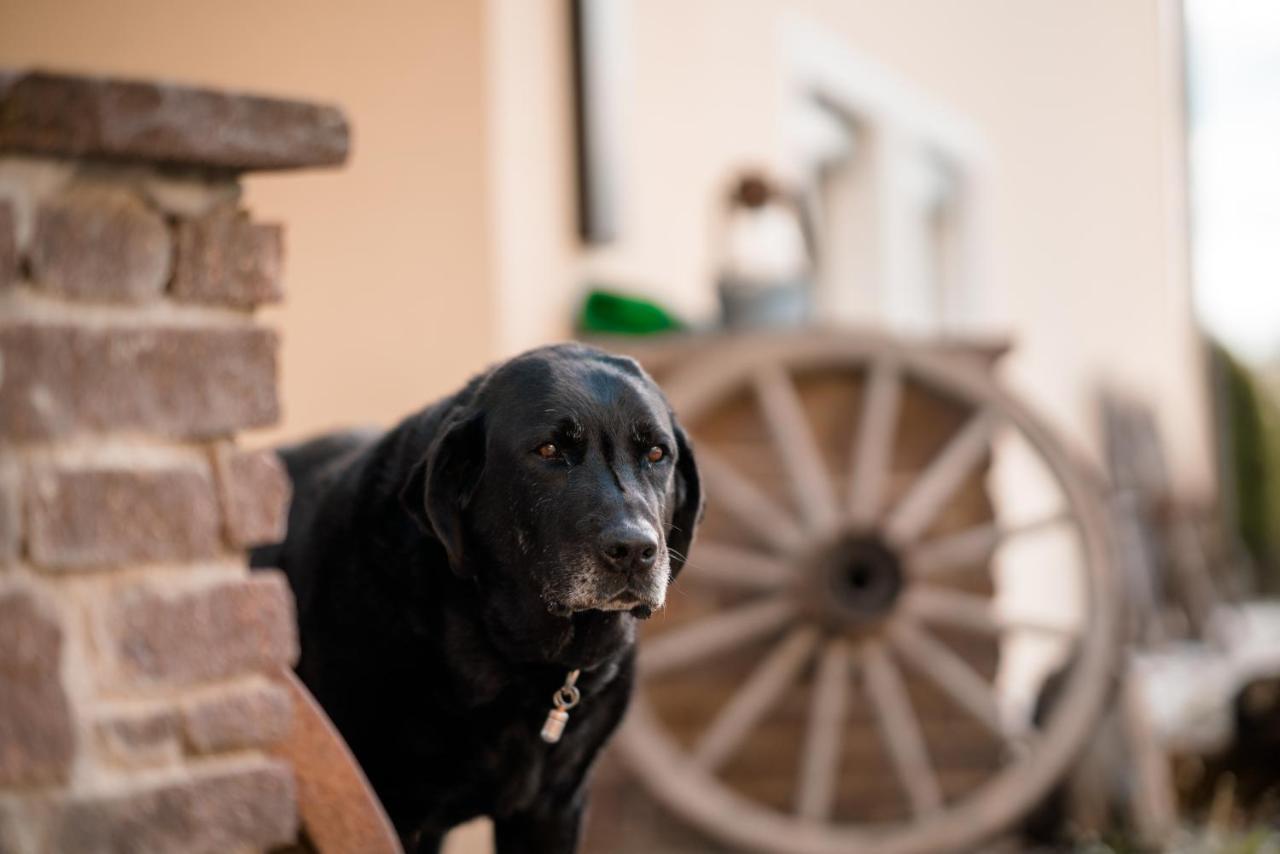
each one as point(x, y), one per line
point(860, 578)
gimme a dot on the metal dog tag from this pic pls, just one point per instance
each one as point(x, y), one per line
point(566, 697)
point(553, 728)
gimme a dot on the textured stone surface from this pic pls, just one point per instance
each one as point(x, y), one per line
point(139, 738)
point(8, 244)
point(225, 259)
point(255, 490)
point(207, 633)
point(136, 699)
point(189, 196)
point(36, 737)
point(100, 242)
point(25, 182)
point(212, 812)
point(255, 716)
point(188, 383)
point(84, 518)
point(160, 123)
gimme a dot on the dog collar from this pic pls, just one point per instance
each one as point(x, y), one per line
point(565, 698)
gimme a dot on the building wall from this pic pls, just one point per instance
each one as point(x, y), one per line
point(453, 241)
point(387, 272)
point(1077, 103)
point(1080, 109)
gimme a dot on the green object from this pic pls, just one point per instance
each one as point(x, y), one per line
point(1253, 435)
point(610, 313)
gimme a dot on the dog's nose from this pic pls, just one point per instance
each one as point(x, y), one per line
point(629, 548)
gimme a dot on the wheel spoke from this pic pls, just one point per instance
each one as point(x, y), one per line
point(940, 479)
point(734, 566)
point(785, 417)
point(970, 547)
point(951, 608)
point(900, 728)
point(949, 672)
point(753, 700)
point(820, 762)
point(756, 511)
point(942, 606)
point(873, 446)
point(703, 638)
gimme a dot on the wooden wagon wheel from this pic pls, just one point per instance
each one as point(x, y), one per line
point(838, 582)
point(338, 809)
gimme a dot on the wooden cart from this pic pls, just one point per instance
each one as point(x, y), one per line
point(822, 677)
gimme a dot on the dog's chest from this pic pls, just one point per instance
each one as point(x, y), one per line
point(519, 768)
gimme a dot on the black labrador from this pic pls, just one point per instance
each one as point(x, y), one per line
point(451, 572)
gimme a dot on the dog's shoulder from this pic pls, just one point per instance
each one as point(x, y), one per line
point(322, 456)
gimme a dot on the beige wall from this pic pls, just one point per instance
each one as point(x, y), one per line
point(1077, 105)
point(449, 238)
point(389, 298)
point(1081, 118)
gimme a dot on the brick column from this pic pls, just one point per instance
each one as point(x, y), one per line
point(138, 656)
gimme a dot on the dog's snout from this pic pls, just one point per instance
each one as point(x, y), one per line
point(630, 547)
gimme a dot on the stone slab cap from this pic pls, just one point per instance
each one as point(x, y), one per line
point(162, 123)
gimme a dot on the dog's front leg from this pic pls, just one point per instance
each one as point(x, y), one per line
point(423, 843)
point(543, 829)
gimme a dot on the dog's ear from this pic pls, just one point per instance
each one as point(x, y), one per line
point(689, 501)
point(443, 483)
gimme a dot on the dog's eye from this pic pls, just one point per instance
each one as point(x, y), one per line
point(548, 451)
point(655, 454)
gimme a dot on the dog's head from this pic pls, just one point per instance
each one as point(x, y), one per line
point(564, 484)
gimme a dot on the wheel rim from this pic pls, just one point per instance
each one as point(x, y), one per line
point(844, 591)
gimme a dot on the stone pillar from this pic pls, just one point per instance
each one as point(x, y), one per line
point(138, 656)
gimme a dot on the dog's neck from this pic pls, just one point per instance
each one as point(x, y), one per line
point(583, 641)
point(487, 662)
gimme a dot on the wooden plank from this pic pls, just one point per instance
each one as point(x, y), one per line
point(941, 478)
point(754, 698)
point(934, 604)
point(704, 638)
point(874, 443)
point(794, 441)
point(336, 804)
point(755, 510)
point(820, 761)
point(901, 730)
point(734, 566)
point(949, 672)
point(970, 547)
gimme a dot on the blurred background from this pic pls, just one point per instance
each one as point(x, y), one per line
point(451, 235)
point(1084, 197)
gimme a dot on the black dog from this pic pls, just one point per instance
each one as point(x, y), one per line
point(450, 573)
